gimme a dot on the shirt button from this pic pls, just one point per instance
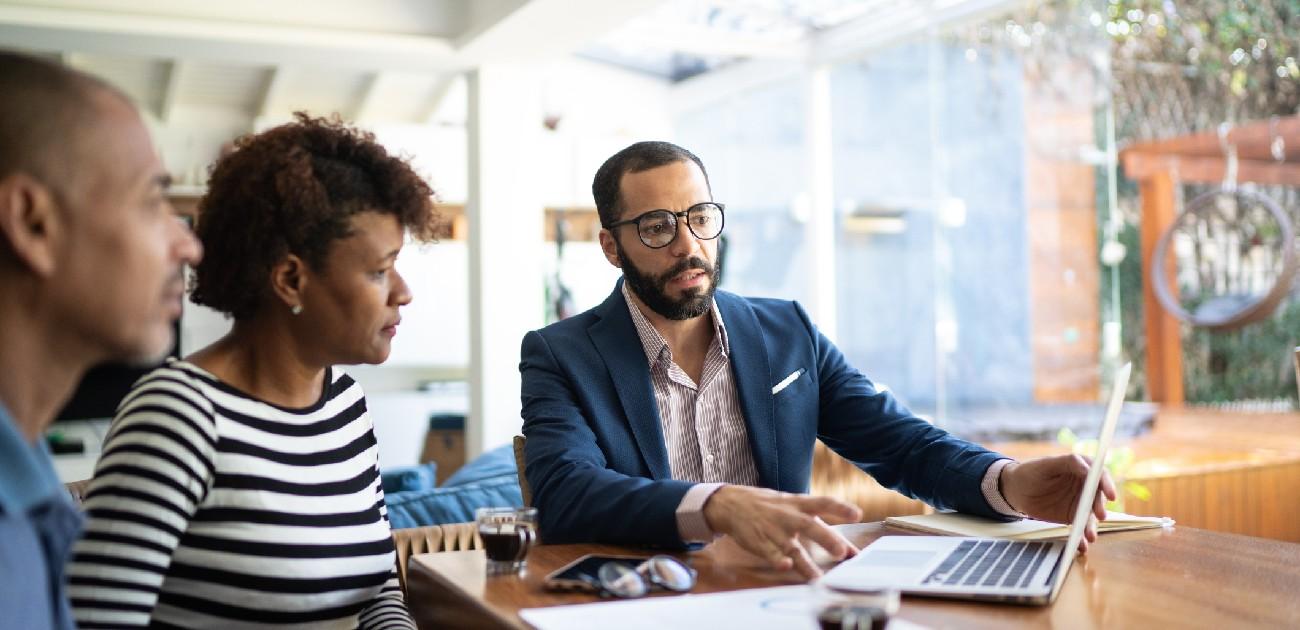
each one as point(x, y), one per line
point(709, 456)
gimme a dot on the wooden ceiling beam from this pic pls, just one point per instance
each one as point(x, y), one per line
point(271, 86)
point(367, 100)
point(170, 90)
point(438, 95)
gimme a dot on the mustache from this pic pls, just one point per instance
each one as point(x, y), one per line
point(694, 262)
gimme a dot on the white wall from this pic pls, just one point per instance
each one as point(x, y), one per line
point(190, 141)
point(601, 109)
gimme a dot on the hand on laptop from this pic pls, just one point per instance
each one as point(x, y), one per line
point(1048, 488)
point(768, 524)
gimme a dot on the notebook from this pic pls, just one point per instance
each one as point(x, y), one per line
point(992, 569)
point(955, 524)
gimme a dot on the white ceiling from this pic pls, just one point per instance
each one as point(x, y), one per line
point(389, 60)
point(397, 60)
point(439, 19)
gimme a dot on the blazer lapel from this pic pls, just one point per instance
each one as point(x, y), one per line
point(753, 382)
point(615, 338)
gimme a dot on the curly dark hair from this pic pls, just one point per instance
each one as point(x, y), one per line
point(294, 189)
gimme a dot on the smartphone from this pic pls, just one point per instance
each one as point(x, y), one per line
point(583, 574)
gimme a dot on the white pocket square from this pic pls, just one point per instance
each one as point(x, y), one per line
point(785, 382)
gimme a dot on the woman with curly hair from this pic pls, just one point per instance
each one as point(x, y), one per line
point(240, 486)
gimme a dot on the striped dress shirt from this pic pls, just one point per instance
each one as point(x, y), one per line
point(703, 426)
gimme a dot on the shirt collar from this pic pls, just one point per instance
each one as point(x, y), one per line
point(27, 476)
point(654, 344)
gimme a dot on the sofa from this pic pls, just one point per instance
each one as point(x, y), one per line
point(414, 500)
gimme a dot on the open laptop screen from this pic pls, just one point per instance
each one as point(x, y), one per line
point(1089, 493)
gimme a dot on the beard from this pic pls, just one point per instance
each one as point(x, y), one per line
point(652, 290)
point(162, 341)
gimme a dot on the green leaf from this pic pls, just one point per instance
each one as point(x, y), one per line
point(1066, 437)
point(1238, 83)
point(1139, 491)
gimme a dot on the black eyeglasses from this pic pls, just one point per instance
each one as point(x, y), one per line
point(658, 228)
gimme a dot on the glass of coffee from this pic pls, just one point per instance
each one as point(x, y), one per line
point(507, 533)
point(863, 609)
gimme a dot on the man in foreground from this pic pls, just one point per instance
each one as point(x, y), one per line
point(674, 412)
point(91, 259)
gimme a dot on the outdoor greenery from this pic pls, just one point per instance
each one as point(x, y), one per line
point(1165, 68)
point(1226, 60)
point(1252, 363)
point(1181, 67)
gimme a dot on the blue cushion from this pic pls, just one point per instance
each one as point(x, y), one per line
point(488, 481)
point(439, 506)
point(495, 463)
point(410, 478)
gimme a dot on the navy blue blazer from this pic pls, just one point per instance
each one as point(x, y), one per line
point(596, 457)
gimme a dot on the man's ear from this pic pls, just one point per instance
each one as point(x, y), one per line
point(31, 225)
point(610, 248)
point(289, 280)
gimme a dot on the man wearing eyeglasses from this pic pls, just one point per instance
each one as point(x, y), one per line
point(674, 412)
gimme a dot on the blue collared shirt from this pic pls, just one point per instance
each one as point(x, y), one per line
point(38, 525)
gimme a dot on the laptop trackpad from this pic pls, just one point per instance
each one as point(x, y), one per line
point(883, 567)
point(901, 559)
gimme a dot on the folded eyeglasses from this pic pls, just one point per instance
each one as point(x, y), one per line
point(619, 579)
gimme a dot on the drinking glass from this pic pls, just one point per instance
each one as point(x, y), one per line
point(865, 609)
point(507, 533)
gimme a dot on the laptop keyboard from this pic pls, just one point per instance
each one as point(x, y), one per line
point(990, 563)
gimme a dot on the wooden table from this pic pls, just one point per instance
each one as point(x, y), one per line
point(1180, 577)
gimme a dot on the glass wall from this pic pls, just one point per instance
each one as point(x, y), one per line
point(753, 146)
point(972, 187)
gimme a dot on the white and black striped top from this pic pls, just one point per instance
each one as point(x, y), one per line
point(210, 509)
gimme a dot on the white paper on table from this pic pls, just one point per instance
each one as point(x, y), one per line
point(775, 608)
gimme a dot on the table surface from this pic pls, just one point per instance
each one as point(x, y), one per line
point(1176, 577)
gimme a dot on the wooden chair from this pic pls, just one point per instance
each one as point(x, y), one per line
point(519, 462)
point(432, 539)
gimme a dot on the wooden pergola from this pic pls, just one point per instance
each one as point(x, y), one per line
point(1199, 158)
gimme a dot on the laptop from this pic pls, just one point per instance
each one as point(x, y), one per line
point(991, 569)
